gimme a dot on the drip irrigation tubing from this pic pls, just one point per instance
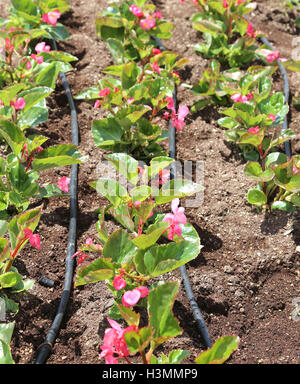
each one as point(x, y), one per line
point(188, 289)
point(45, 348)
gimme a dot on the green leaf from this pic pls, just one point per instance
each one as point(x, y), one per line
point(140, 193)
point(9, 279)
point(33, 96)
point(6, 331)
point(131, 317)
point(28, 219)
point(119, 247)
point(256, 197)
point(88, 94)
point(106, 132)
point(228, 122)
point(160, 304)
point(3, 228)
point(275, 158)
point(283, 206)
point(175, 188)
point(98, 270)
point(161, 259)
point(146, 241)
point(254, 171)
point(125, 165)
point(26, 6)
point(56, 156)
point(130, 73)
point(110, 189)
point(48, 76)
point(220, 351)
point(12, 135)
point(4, 247)
point(116, 49)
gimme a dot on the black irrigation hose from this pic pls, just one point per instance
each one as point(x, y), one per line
point(46, 347)
point(189, 292)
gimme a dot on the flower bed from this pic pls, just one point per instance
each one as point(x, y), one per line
point(227, 285)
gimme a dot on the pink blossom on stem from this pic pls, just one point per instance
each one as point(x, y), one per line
point(148, 23)
point(240, 2)
point(136, 11)
point(38, 59)
point(42, 47)
point(104, 92)
point(174, 219)
point(97, 104)
point(19, 103)
point(51, 17)
point(33, 239)
point(63, 184)
point(274, 55)
point(225, 4)
point(271, 116)
point(144, 291)
point(163, 177)
point(131, 298)
point(82, 257)
point(157, 15)
point(114, 342)
point(119, 282)
point(156, 51)
point(250, 30)
point(254, 130)
point(39, 149)
point(155, 67)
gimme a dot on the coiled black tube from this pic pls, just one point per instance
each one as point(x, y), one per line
point(189, 292)
point(45, 348)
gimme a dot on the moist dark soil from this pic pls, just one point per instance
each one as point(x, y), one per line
point(247, 273)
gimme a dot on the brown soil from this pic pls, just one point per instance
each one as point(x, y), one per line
point(247, 274)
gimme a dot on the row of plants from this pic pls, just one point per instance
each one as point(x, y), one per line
point(29, 69)
point(136, 95)
point(239, 81)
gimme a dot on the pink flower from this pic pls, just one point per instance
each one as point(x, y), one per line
point(250, 30)
point(104, 92)
point(174, 219)
point(136, 11)
point(97, 104)
point(274, 55)
point(225, 4)
point(33, 239)
point(137, 203)
point(63, 184)
point(249, 96)
point(148, 23)
point(171, 103)
point(119, 282)
point(114, 342)
point(157, 15)
point(239, 98)
point(254, 130)
point(131, 298)
point(38, 59)
point(19, 103)
point(271, 116)
point(130, 100)
point(156, 51)
point(163, 177)
point(89, 241)
point(144, 291)
point(240, 2)
point(82, 257)
point(51, 17)
point(155, 67)
point(39, 149)
point(42, 47)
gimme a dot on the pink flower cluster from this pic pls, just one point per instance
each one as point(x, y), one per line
point(274, 55)
point(174, 219)
point(250, 31)
point(103, 93)
point(132, 297)
point(254, 130)
point(63, 184)
point(176, 118)
point(18, 104)
point(149, 21)
point(239, 98)
point(51, 17)
point(33, 239)
point(114, 342)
